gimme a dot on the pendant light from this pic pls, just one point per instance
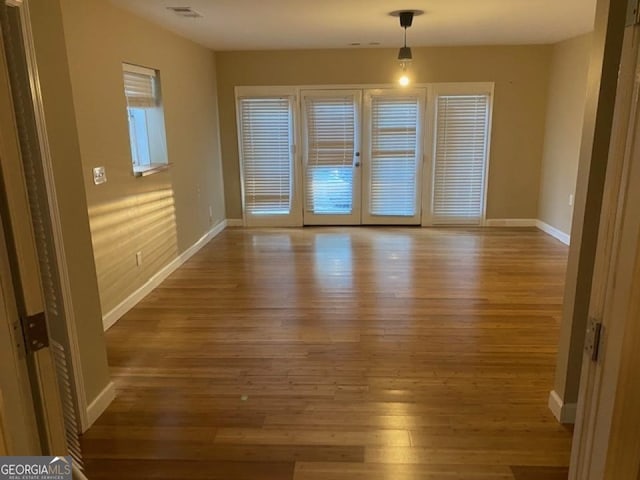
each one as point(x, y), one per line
point(405, 56)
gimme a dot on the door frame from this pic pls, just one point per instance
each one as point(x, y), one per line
point(18, 417)
point(613, 278)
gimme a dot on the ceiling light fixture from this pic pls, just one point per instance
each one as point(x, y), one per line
point(404, 55)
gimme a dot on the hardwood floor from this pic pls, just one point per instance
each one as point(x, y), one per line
point(338, 353)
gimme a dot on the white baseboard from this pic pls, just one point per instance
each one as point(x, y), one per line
point(100, 404)
point(235, 222)
point(564, 412)
point(132, 300)
point(511, 222)
point(554, 232)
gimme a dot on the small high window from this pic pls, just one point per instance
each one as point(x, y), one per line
point(146, 118)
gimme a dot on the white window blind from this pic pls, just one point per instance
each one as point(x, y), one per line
point(394, 151)
point(266, 140)
point(146, 118)
point(330, 152)
point(140, 86)
point(462, 125)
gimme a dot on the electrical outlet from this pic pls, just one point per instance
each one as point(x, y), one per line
point(571, 200)
point(139, 258)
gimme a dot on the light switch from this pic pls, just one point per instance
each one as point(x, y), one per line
point(99, 175)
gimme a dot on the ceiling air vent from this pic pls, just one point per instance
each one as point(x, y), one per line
point(184, 12)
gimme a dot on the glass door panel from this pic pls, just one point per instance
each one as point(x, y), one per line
point(392, 165)
point(331, 156)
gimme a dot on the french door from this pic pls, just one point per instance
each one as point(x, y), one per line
point(385, 156)
point(347, 182)
point(331, 156)
point(393, 134)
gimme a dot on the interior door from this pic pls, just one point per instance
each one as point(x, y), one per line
point(606, 435)
point(331, 156)
point(17, 417)
point(623, 454)
point(30, 240)
point(393, 153)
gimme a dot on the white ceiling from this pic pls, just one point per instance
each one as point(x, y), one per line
point(296, 24)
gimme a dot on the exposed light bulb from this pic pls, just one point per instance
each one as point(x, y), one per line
point(404, 79)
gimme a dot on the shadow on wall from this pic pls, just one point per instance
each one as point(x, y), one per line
point(144, 222)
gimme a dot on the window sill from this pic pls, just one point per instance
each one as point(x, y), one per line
point(150, 169)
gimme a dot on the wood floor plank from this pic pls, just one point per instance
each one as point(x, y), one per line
point(313, 437)
point(169, 449)
point(386, 471)
point(486, 455)
point(342, 353)
point(172, 469)
point(540, 473)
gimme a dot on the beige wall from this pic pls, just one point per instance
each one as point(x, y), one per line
point(163, 214)
point(67, 169)
point(565, 115)
point(521, 77)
